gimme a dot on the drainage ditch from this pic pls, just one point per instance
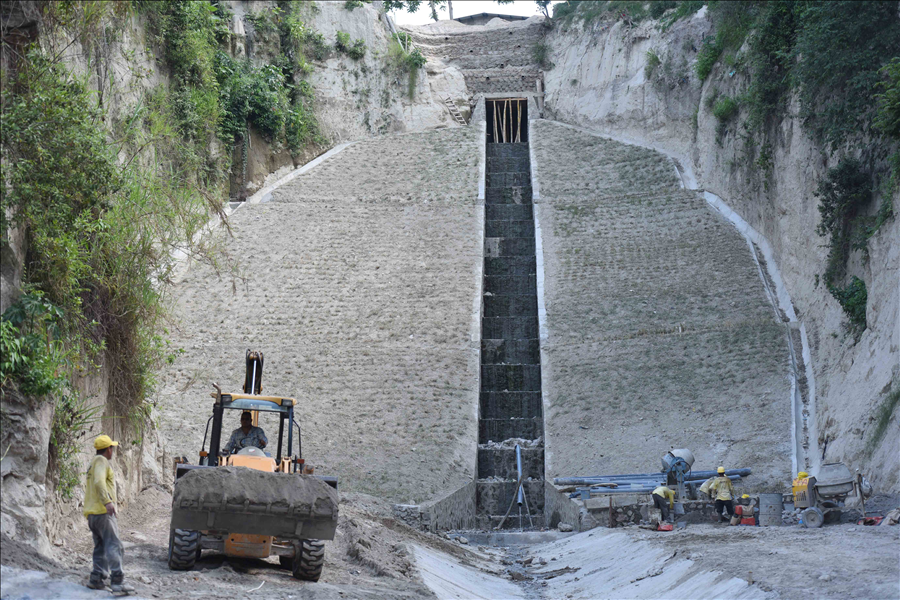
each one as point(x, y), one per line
point(511, 412)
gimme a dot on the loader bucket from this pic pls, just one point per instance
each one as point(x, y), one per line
point(242, 500)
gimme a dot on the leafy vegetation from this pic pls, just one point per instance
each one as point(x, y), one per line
point(844, 193)
point(407, 61)
point(230, 95)
point(99, 236)
point(633, 11)
point(355, 50)
point(706, 59)
point(653, 61)
point(104, 200)
point(354, 4)
point(725, 108)
point(540, 53)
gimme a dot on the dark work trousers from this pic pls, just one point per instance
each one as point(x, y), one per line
point(662, 504)
point(108, 550)
point(727, 504)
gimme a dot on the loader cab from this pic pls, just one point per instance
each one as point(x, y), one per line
point(272, 408)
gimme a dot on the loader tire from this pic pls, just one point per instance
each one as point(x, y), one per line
point(309, 558)
point(184, 547)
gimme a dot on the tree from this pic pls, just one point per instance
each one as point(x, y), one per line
point(412, 6)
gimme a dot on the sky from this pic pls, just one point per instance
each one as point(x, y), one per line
point(461, 8)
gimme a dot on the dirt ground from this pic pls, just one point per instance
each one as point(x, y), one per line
point(367, 559)
point(374, 556)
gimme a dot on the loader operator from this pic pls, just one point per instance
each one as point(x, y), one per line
point(246, 436)
point(722, 490)
point(100, 510)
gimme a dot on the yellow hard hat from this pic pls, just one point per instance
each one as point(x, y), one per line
point(802, 475)
point(102, 442)
point(745, 496)
point(721, 471)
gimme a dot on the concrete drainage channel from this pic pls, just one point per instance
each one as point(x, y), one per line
point(510, 432)
point(592, 564)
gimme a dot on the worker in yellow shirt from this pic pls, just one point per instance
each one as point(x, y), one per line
point(660, 495)
point(100, 510)
point(722, 490)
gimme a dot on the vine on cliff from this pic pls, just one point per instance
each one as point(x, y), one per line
point(99, 237)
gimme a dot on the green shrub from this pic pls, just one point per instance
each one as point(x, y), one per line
point(653, 61)
point(843, 194)
point(841, 47)
point(725, 108)
point(415, 60)
point(853, 298)
point(707, 57)
point(659, 7)
point(540, 55)
point(887, 118)
point(32, 356)
point(354, 4)
point(355, 50)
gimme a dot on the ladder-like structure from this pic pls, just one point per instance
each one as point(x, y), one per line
point(454, 112)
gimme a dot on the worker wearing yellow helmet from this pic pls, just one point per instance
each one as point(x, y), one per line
point(100, 510)
point(722, 490)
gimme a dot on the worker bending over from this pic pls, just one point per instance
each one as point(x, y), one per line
point(660, 495)
point(722, 490)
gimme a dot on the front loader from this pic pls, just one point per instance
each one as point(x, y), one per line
point(249, 503)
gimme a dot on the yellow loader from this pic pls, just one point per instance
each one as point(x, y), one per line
point(252, 504)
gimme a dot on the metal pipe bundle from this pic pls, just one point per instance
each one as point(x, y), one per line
point(646, 477)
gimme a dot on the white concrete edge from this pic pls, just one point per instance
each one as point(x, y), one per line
point(543, 330)
point(265, 194)
point(812, 428)
point(689, 181)
point(482, 159)
point(535, 184)
point(796, 400)
point(477, 320)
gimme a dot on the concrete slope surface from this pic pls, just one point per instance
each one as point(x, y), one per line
point(659, 332)
point(361, 278)
point(603, 564)
point(451, 578)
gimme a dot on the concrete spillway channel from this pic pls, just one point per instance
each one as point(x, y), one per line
point(510, 404)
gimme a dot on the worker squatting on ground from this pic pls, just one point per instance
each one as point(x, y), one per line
point(660, 495)
point(246, 436)
point(743, 512)
point(100, 510)
point(722, 490)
